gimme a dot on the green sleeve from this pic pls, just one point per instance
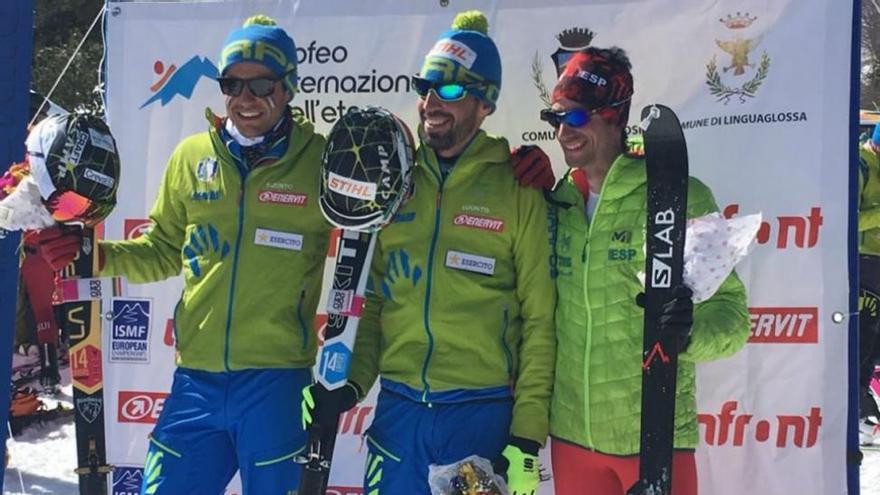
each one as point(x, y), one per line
point(155, 255)
point(536, 293)
point(721, 323)
point(367, 347)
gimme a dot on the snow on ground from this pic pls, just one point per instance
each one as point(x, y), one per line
point(44, 457)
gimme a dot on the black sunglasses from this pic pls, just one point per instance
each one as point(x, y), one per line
point(258, 86)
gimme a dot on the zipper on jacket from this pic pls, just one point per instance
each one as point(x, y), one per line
point(434, 236)
point(241, 203)
point(302, 321)
point(430, 269)
point(588, 338)
point(505, 324)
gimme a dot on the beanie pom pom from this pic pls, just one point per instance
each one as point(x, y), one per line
point(471, 20)
point(262, 20)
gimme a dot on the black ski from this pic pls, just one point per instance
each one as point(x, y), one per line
point(344, 287)
point(667, 171)
point(82, 319)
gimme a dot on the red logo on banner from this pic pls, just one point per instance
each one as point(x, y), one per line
point(784, 325)
point(140, 407)
point(478, 222)
point(135, 227)
point(731, 428)
point(282, 198)
point(353, 422)
point(786, 231)
point(85, 365)
point(168, 338)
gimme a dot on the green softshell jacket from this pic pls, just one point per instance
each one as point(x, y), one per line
point(597, 389)
point(869, 201)
point(462, 299)
point(251, 246)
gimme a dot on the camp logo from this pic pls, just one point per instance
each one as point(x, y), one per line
point(740, 75)
point(174, 81)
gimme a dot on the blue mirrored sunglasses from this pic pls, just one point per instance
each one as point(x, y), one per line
point(446, 91)
point(577, 117)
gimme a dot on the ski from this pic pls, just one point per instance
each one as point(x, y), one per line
point(346, 270)
point(82, 301)
point(667, 178)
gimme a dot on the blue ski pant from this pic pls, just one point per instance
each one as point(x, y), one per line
point(214, 423)
point(407, 436)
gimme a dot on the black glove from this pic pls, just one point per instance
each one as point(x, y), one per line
point(322, 405)
point(676, 317)
point(532, 168)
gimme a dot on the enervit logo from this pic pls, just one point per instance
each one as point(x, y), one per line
point(784, 430)
point(478, 222)
point(136, 227)
point(355, 420)
point(784, 325)
point(282, 198)
point(802, 231)
point(140, 407)
point(179, 81)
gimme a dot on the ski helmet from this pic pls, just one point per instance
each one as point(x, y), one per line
point(75, 162)
point(366, 172)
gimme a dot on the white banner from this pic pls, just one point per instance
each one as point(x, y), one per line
point(762, 88)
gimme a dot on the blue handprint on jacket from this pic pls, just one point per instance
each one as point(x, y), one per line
point(203, 242)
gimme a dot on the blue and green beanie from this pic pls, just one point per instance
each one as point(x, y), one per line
point(466, 55)
point(261, 40)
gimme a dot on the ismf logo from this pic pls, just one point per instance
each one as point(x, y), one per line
point(784, 325)
point(136, 227)
point(181, 81)
point(740, 76)
point(139, 407)
point(130, 336)
point(127, 480)
point(729, 428)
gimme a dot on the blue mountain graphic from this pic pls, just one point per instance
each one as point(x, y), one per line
point(131, 313)
point(183, 81)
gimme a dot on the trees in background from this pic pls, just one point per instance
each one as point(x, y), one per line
point(59, 25)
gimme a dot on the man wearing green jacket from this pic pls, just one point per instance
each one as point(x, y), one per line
point(869, 282)
point(460, 321)
point(596, 406)
point(237, 212)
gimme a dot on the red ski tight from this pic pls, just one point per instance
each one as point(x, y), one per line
point(579, 471)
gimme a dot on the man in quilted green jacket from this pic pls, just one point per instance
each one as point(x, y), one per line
point(596, 406)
